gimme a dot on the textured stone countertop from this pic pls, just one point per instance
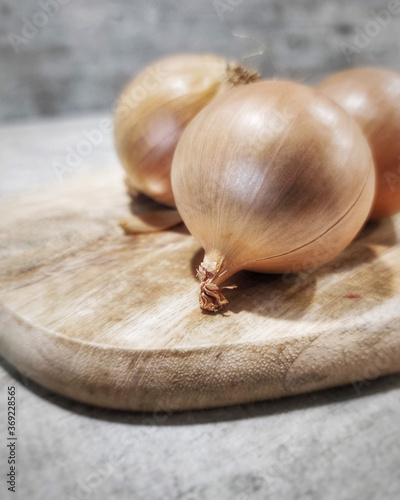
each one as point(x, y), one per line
point(342, 443)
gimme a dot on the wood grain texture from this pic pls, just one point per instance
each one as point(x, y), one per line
point(113, 320)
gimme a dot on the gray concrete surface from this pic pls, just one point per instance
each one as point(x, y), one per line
point(62, 57)
point(339, 444)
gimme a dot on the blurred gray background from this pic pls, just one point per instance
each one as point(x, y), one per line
point(63, 57)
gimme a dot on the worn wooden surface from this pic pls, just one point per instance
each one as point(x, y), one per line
point(113, 320)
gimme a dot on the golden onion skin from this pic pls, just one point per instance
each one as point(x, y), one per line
point(154, 109)
point(272, 177)
point(372, 97)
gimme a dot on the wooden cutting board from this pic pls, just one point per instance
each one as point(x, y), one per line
point(113, 320)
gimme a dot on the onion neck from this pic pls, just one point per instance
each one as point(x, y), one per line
point(211, 273)
point(236, 75)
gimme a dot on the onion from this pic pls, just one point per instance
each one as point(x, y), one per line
point(372, 97)
point(270, 177)
point(154, 109)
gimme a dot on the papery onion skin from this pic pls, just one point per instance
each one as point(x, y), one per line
point(272, 177)
point(154, 109)
point(372, 97)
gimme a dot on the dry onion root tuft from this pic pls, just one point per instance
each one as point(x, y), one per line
point(270, 177)
point(372, 97)
point(211, 299)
